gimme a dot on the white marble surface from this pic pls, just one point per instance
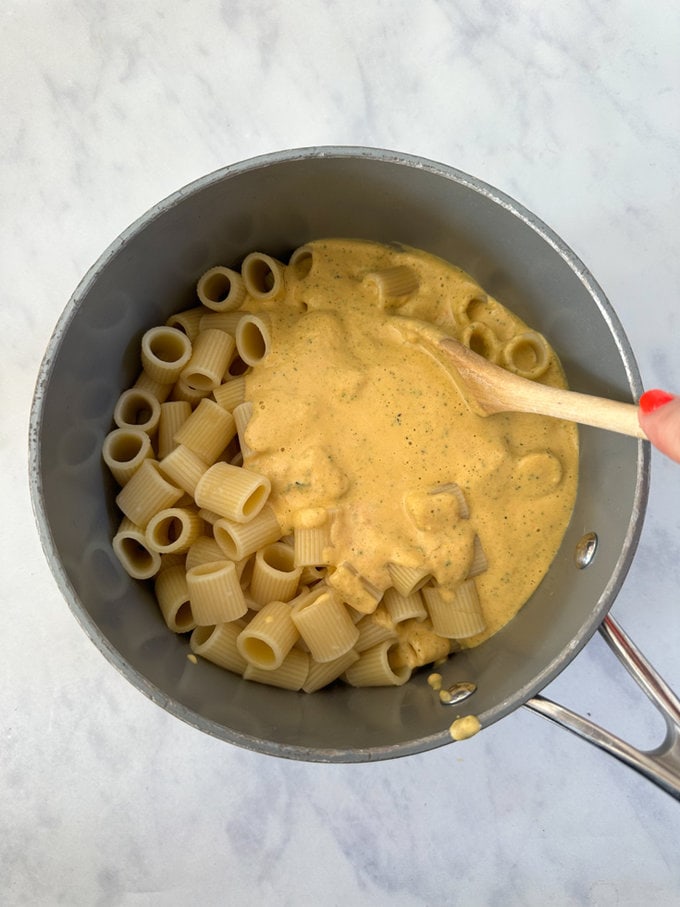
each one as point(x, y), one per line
point(107, 107)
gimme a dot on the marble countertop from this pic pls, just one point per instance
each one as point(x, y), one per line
point(107, 107)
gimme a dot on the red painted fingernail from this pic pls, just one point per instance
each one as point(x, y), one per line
point(653, 399)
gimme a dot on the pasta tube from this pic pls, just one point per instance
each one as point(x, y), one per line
point(215, 593)
point(207, 431)
point(269, 637)
point(290, 675)
point(165, 352)
point(173, 415)
point(221, 289)
point(211, 355)
point(324, 624)
point(235, 493)
point(124, 450)
point(218, 644)
point(374, 668)
point(274, 576)
point(137, 409)
point(457, 619)
point(172, 594)
point(263, 276)
point(173, 530)
point(137, 559)
point(238, 540)
point(147, 492)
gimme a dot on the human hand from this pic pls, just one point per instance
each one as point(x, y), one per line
point(659, 418)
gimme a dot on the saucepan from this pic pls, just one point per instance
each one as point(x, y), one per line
point(274, 203)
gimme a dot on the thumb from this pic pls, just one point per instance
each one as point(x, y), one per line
point(659, 418)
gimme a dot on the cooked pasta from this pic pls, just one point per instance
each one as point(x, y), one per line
point(207, 431)
point(253, 338)
point(235, 493)
point(137, 408)
point(215, 593)
point(173, 415)
point(221, 289)
point(269, 636)
point(131, 549)
point(172, 594)
point(238, 540)
point(374, 668)
point(263, 276)
point(173, 531)
point(165, 352)
point(188, 321)
point(274, 576)
point(124, 450)
point(291, 674)
point(210, 358)
point(184, 467)
point(324, 624)
point(218, 644)
point(231, 393)
point(146, 493)
point(303, 509)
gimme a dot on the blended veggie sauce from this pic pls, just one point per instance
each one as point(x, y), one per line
point(354, 419)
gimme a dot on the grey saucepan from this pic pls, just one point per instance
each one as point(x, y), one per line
point(274, 203)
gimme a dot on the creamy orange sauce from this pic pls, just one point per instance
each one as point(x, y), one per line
point(355, 418)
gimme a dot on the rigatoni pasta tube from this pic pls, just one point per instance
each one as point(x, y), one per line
point(242, 415)
point(182, 391)
point(221, 289)
point(204, 550)
point(458, 618)
point(137, 409)
point(158, 389)
point(183, 467)
point(407, 580)
point(231, 393)
point(215, 593)
point(253, 338)
point(312, 537)
point(211, 355)
point(275, 576)
point(290, 675)
point(263, 275)
point(404, 607)
point(324, 624)
point(218, 644)
point(172, 594)
point(165, 352)
point(188, 321)
point(173, 414)
point(235, 493)
point(322, 673)
point(173, 530)
point(269, 636)
point(374, 669)
point(399, 280)
point(124, 450)
point(147, 492)
point(136, 558)
point(238, 540)
point(207, 431)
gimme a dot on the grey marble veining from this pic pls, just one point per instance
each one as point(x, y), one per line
point(106, 108)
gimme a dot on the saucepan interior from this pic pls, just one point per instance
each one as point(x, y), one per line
point(274, 204)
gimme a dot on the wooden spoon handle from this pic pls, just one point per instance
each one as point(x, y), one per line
point(582, 408)
point(491, 389)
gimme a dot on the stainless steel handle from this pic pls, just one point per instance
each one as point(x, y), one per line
point(661, 765)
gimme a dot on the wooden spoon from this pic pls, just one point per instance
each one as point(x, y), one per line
point(489, 389)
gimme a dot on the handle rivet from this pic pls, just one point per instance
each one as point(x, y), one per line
point(585, 550)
